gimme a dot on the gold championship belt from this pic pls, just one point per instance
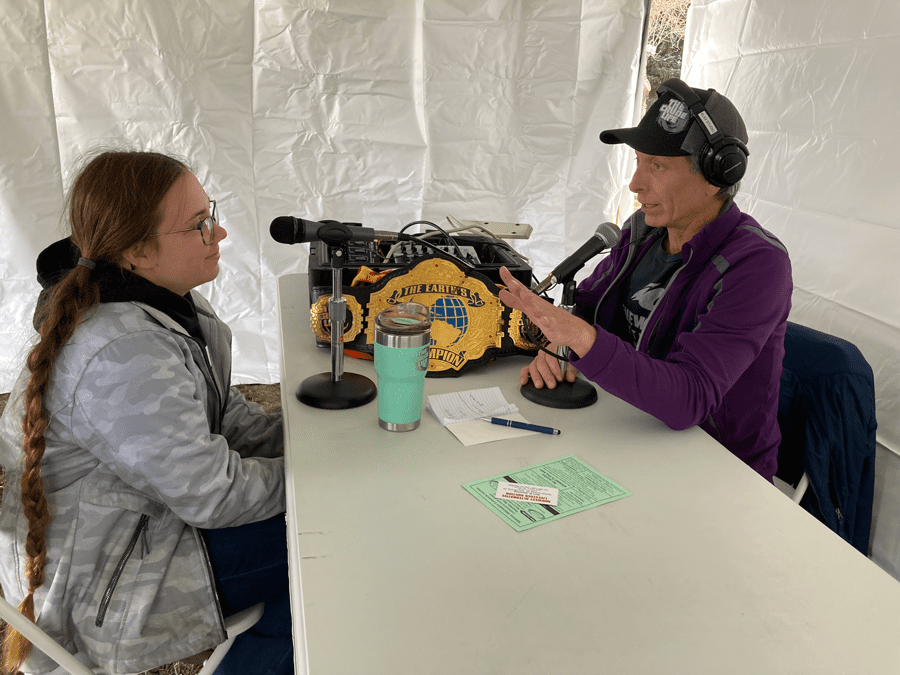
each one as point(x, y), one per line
point(470, 325)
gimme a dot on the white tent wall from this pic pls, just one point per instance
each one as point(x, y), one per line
point(381, 113)
point(815, 82)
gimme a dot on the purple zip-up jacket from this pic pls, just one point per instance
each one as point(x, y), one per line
point(710, 352)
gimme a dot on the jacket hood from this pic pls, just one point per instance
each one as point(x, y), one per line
point(116, 285)
point(55, 262)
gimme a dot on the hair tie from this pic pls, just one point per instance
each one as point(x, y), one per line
point(90, 264)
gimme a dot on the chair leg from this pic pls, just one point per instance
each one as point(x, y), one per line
point(800, 490)
point(41, 640)
point(234, 626)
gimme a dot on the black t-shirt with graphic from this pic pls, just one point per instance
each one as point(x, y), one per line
point(644, 289)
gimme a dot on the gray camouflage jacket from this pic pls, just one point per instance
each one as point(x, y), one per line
point(146, 444)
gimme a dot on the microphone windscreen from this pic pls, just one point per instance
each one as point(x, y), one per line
point(283, 230)
point(609, 233)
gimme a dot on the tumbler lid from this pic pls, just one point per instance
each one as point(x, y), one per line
point(406, 318)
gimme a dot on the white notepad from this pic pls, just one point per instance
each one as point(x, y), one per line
point(465, 406)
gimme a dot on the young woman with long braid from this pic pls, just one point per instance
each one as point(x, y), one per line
point(145, 496)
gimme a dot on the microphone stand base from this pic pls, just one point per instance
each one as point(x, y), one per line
point(568, 395)
point(320, 391)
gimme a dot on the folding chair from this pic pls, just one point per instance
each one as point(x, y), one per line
point(234, 626)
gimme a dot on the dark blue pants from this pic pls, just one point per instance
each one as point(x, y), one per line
point(250, 565)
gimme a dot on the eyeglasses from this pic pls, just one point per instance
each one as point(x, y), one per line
point(207, 226)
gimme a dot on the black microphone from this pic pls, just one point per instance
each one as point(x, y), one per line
point(291, 230)
point(606, 236)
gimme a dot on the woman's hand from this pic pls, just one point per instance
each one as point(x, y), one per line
point(558, 326)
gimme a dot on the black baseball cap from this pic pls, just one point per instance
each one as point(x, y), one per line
point(668, 130)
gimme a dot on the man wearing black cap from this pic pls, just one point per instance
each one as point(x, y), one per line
point(685, 318)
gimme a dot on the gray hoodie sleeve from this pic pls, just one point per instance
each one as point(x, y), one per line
point(140, 409)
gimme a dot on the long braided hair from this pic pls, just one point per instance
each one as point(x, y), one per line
point(114, 205)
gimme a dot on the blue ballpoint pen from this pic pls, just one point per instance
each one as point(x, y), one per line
point(522, 425)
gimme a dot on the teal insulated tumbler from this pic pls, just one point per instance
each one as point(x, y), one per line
point(402, 340)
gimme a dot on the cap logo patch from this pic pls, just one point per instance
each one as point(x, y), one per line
point(673, 116)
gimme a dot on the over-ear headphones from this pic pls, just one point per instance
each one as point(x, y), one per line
point(723, 159)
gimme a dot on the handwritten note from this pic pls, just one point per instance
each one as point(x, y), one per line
point(465, 406)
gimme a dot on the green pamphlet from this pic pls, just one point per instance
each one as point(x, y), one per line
point(580, 488)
